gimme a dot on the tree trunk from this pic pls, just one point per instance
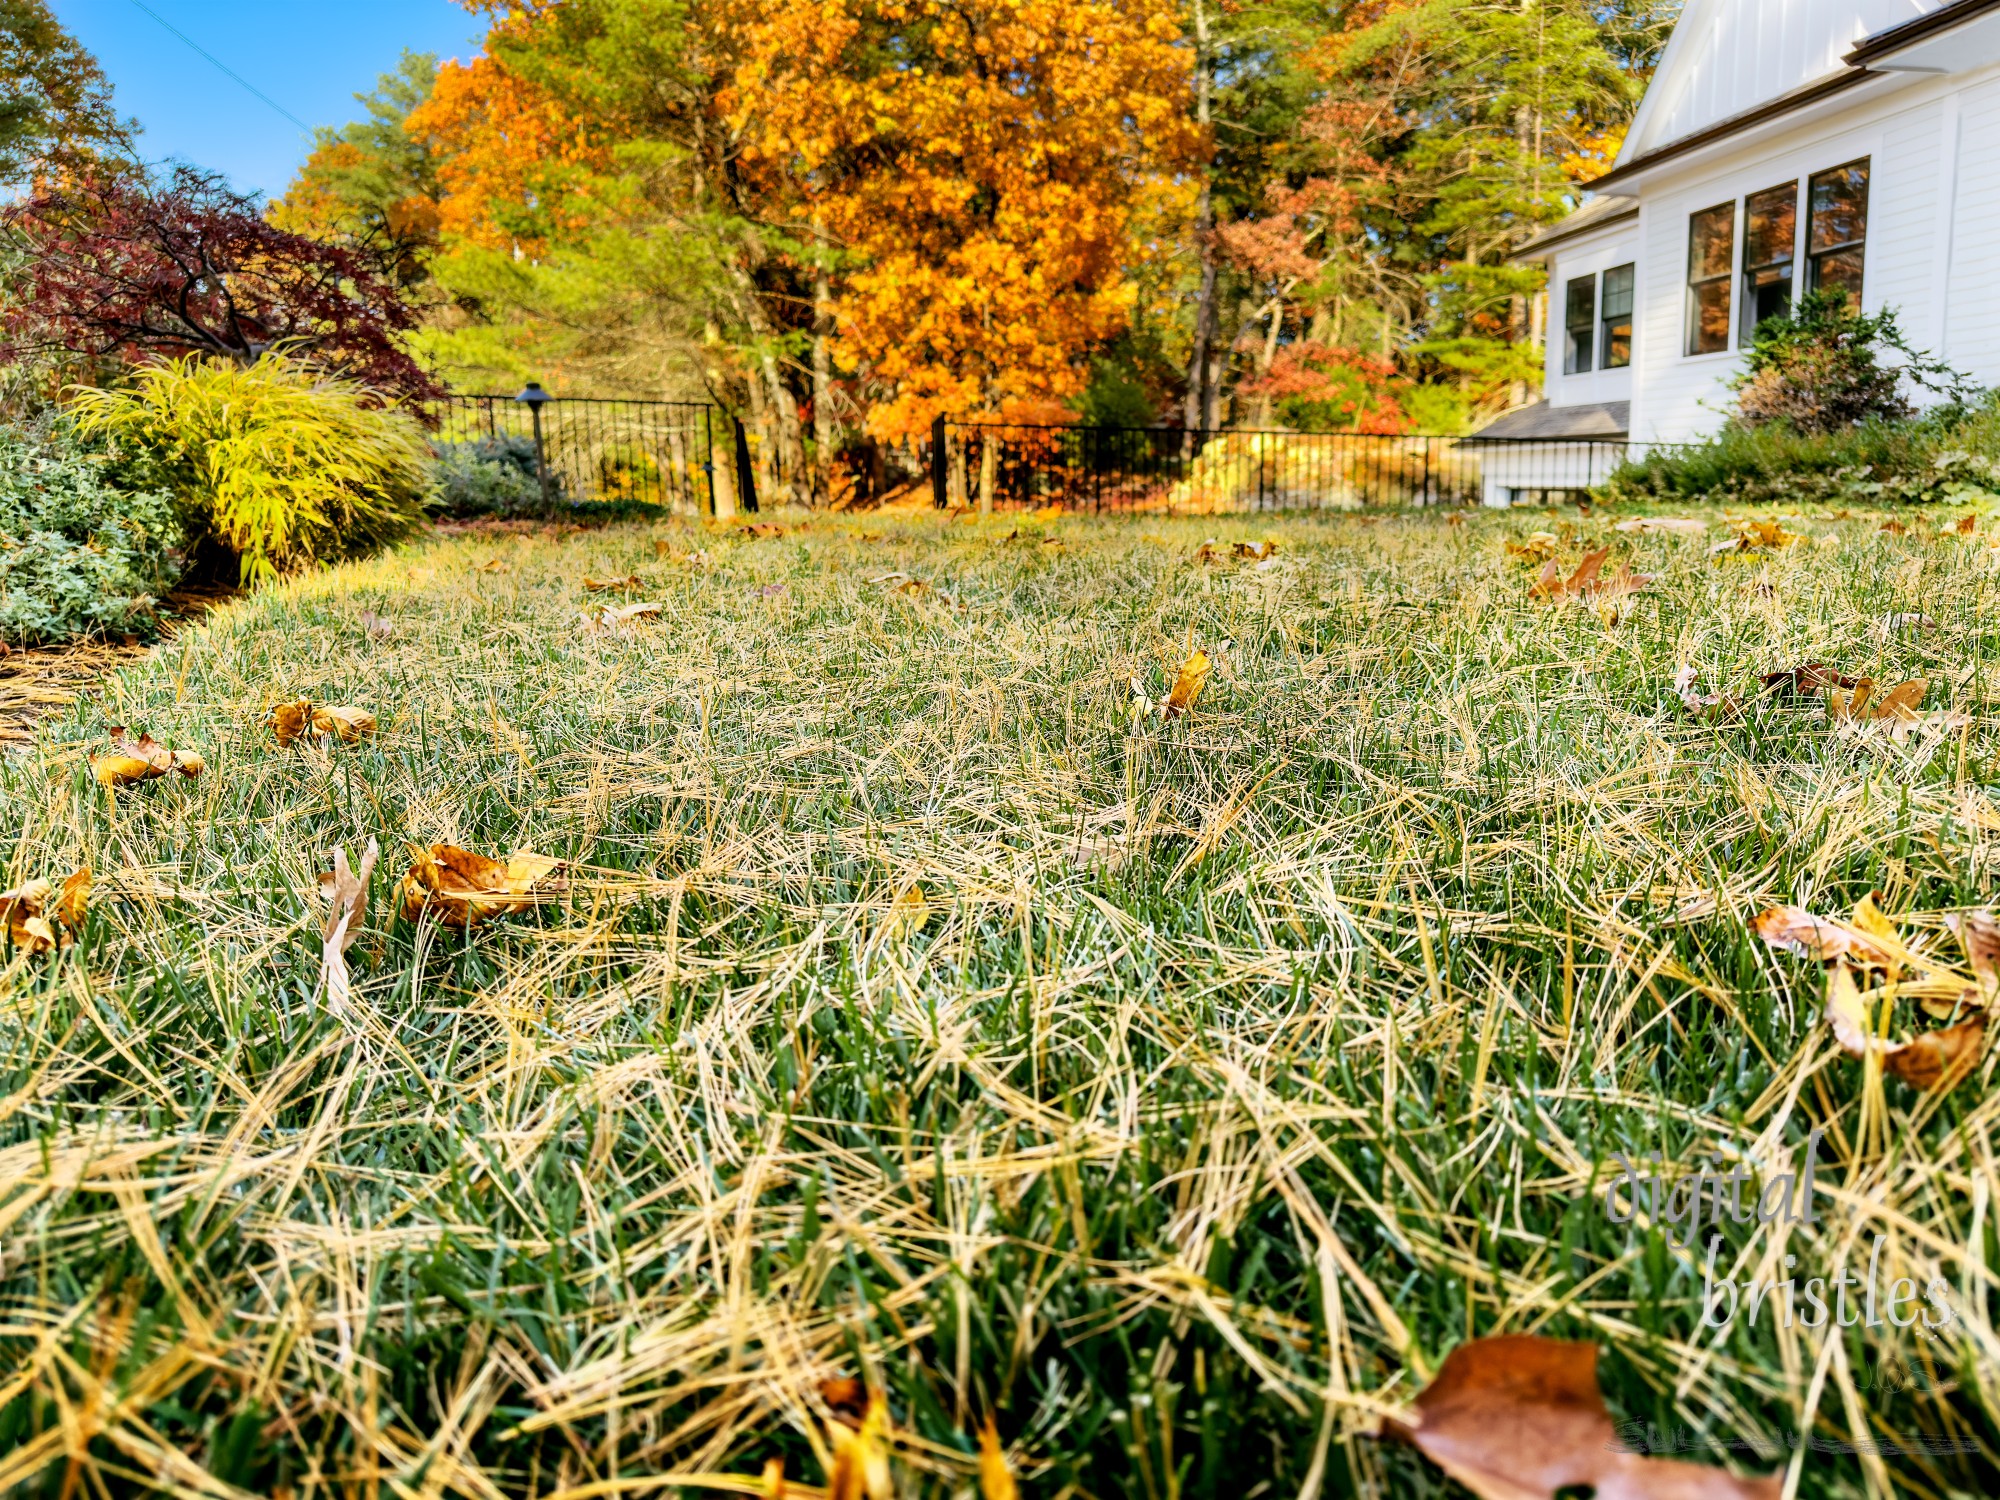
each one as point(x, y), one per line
point(1200, 404)
point(822, 365)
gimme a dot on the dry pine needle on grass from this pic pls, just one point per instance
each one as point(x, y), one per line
point(906, 1061)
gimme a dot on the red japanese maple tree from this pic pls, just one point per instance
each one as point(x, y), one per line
point(112, 265)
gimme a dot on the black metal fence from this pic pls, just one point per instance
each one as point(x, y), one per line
point(1176, 471)
point(655, 452)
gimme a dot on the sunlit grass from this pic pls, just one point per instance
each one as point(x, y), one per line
point(1178, 1091)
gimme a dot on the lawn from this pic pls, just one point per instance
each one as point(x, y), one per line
point(914, 1005)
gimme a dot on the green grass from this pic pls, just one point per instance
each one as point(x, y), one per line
point(1232, 1069)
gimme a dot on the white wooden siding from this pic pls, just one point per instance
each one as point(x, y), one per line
point(1971, 326)
point(1933, 216)
point(1728, 56)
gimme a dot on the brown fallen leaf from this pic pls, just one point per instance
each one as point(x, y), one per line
point(617, 620)
point(1255, 551)
point(1552, 585)
point(1896, 710)
point(1520, 1417)
point(463, 889)
point(129, 760)
point(845, 1397)
point(1893, 528)
point(621, 585)
point(347, 894)
point(1715, 707)
point(1967, 525)
point(1587, 581)
point(1894, 625)
point(1673, 525)
point(1979, 935)
point(764, 530)
point(1928, 1059)
point(495, 565)
point(1209, 552)
point(1826, 939)
point(1456, 518)
point(295, 720)
point(1188, 684)
point(35, 924)
point(1804, 681)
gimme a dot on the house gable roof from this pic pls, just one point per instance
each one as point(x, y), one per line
point(1729, 58)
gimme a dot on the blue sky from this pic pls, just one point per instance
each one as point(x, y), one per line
point(310, 56)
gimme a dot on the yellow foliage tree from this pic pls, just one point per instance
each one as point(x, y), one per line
point(979, 166)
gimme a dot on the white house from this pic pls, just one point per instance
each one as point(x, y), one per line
point(1784, 145)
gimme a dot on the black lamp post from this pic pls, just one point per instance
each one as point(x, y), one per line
point(535, 398)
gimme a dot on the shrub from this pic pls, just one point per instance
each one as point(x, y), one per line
point(492, 476)
point(78, 554)
point(1821, 370)
point(1949, 454)
point(281, 466)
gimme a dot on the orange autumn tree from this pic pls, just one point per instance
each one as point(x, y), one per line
point(977, 167)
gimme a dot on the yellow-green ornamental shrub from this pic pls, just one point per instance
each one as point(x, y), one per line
point(281, 464)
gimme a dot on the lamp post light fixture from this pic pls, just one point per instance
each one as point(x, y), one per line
point(535, 398)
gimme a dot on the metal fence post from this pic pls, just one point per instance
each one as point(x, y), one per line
point(940, 481)
point(746, 477)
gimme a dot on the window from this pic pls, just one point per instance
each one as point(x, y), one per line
point(1581, 322)
point(1835, 247)
point(1617, 304)
point(1770, 244)
point(1711, 258)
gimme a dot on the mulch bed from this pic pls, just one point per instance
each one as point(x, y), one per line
point(39, 681)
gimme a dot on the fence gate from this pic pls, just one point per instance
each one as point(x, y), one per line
point(657, 452)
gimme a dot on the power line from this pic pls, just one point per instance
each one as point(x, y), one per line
point(224, 67)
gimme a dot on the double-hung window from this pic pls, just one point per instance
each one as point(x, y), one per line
point(1838, 232)
point(1580, 323)
point(1770, 244)
point(1711, 260)
point(1835, 243)
point(1616, 304)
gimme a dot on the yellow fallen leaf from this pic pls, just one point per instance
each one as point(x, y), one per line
point(21, 910)
point(861, 1459)
point(129, 760)
point(1255, 551)
point(996, 1479)
point(292, 721)
point(73, 901)
point(495, 565)
point(1538, 546)
point(1668, 525)
point(1188, 685)
point(463, 889)
point(611, 585)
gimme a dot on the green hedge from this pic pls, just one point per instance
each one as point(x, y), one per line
point(1950, 455)
point(79, 554)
